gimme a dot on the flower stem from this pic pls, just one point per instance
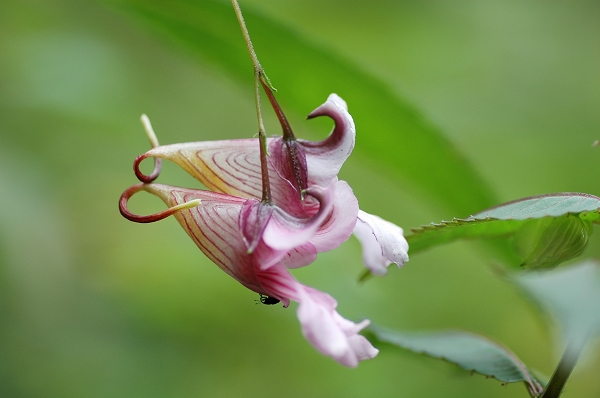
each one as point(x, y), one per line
point(259, 78)
point(288, 134)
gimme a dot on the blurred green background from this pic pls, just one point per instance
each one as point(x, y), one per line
point(92, 305)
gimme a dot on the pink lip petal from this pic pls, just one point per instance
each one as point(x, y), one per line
point(329, 332)
point(322, 325)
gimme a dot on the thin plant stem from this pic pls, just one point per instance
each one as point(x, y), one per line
point(288, 134)
point(565, 367)
point(259, 78)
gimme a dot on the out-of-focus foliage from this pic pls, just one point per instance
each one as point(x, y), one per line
point(571, 295)
point(92, 305)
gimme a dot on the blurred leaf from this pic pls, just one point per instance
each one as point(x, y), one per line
point(467, 350)
point(390, 131)
point(572, 294)
point(548, 229)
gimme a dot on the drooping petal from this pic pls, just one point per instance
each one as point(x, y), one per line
point(383, 243)
point(329, 332)
point(322, 325)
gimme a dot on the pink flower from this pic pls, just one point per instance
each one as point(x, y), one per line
point(233, 167)
point(254, 242)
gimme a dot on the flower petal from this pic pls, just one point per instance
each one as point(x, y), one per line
point(383, 243)
point(324, 159)
point(228, 166)
point(213, 226)
point(253, 220)
point(331, 334)
point(338, 227)
point(300, 256)
point(322, 325)
point(284, 232)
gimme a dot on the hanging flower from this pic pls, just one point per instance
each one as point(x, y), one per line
point(254, 242)
point(233, 167)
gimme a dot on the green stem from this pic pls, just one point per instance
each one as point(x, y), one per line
point(259, 78)
point(564, 368)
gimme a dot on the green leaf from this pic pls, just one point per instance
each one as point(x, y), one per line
point(572, 294)
point(391, 132)
point(549, 205)
point(548, 229)
point(467, 350)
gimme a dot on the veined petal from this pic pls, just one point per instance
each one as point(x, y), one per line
point(213, 226)
point(299, 256)
point(244, 235)
point(228, 166)
point(287, 159)
point(383, 243)
point(233, 167)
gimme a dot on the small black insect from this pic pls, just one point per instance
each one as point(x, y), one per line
point(267, 300)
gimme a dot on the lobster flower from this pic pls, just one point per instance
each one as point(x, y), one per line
point(233, 167)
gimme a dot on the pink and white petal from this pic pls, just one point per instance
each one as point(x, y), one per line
point(325, 158)
point(362, 348)
point(322, 326)
point(276, 281)
point(328, 332)
point(383, 243)
point(285, 232)
point(300, 256)
point(340, 224)
point(319, 326)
